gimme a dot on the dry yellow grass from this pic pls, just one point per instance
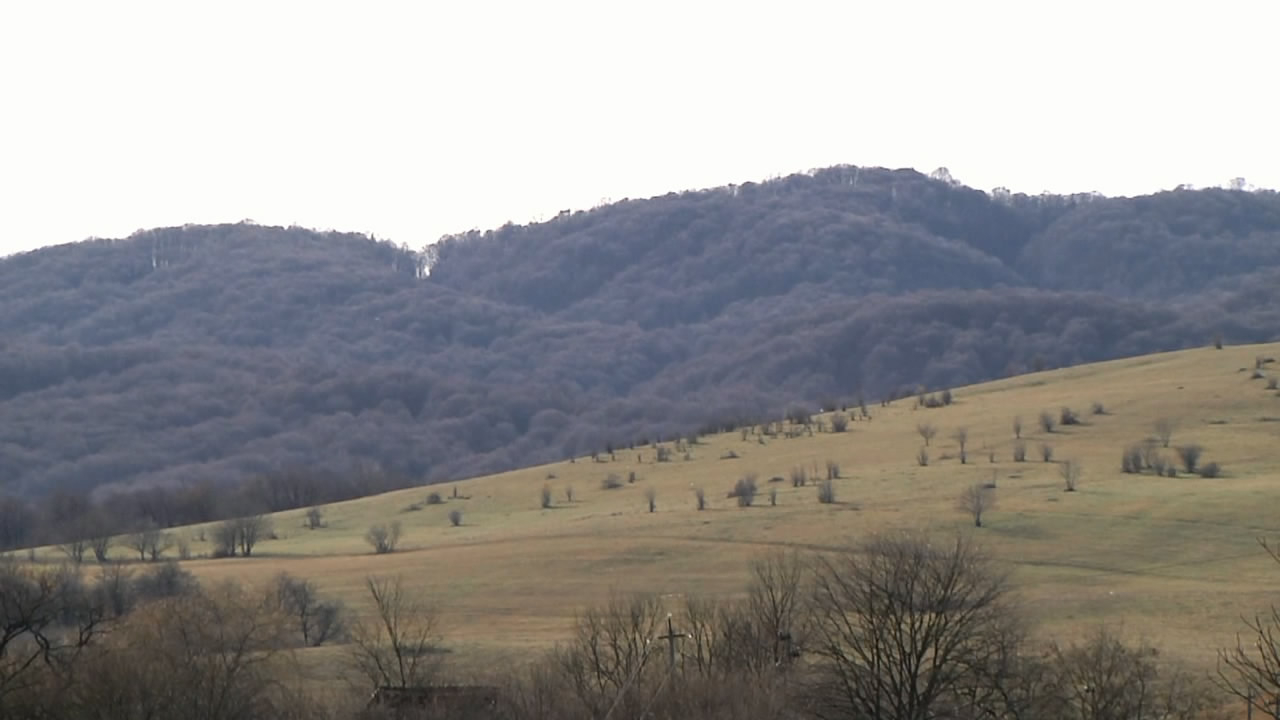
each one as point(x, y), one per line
point(1172, 560)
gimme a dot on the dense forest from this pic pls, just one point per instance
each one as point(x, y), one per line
point(200, 356)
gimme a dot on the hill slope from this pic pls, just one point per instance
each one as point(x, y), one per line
point(1173, 560)
point(210, 354)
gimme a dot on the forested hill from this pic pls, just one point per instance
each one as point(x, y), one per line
point(218, 353)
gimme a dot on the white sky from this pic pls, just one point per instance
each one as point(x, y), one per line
point(410, 120)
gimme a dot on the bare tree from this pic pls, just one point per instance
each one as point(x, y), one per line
point(1251, 669)
point(545, 497)
point(961, 436)
point(250, 530)
point(1046, 452)
point(315, 517)
point(160, 544)
point(927, 431)
point(1019, 451)
point(611, 654)
point(839, 422)
point(1047, 421)
point(700, 496)
point(397, 645)
point(383, 538)
point(74, 549)
point(316, 620)
point(976, 500)
point(651, 496)
point(1070, 471)
point(1017, 428)
point(1190, 456)
point(100, 545)
point(827, 491)
point(142, 540)
point(568, 494)
point(224, 538)
point(901, 627)
point(1164, 428)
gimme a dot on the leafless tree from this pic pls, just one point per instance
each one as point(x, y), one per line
point(315, 517)
point(252, 529)
point(827, 492)
point(568, 494)
point(976, 500)
point(700, 496)
point(224, 537)
point(927, 431)
point(1190, 456)
point(74, 549)
point(1047, 421)
point(1164, 428)
point(902, 627)
point(545, 497)
point(839, 422)
point(1017, 428)
point(100, 544)
point(1019, 451)
point(651, 496)
point(397, 645)
point(383, 538)
point(961, 436)
point(1105, 678)
point(142, 540)
point(317, 620)
point(1251, 669)
point(1070, 471)
point(607, 662)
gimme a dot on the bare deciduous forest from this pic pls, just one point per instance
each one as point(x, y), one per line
point(304, 367)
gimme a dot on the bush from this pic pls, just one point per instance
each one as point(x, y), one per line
point(799, 477)
point(315, 517)
point(833, 470)
point(1068, 417)
point(545, 497)
point(1273, 383)
point(922, 457)
point(1019, 451)
point(612, 481)
point(745, 490)
point(1047, 422)
point(701, 496)
point(1210, 470)
point(455, 517)
point(773, 496)
point(1132, 462)
point(826, 492)
point(839, 422)
point(383, 538)
point(1070, 471)
point(434, 498)
point(1098, 409)
point(1046, 452)
point(1190, 455)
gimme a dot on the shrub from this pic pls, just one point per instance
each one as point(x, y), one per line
point(663, 453)
point(1190, 455)
point(745, 490)
point(1098, 409)
point(434, 498)
point(651, 496)
point(1019, 451)
point(455, 517)
point(927, 431)
point(946, 397)
point(826, 492)
point(1164, 428)
point(701, 496)
point(1159, 465)
point(1273, 383)
point(728, 455)
point(922, 457)
point(1017, 428)
point(773, 496)
point(383, 538)
point(1210, 470)
point(1046, 452)
point(839, 422)
point(1132, 462)
point(315, 517)
point(1070, 471)
point(568, 494)
point(545, 496)
point(612, 481)
point(799, 477)
point(1047, 422)
point(1068, 417)
point(833, 470)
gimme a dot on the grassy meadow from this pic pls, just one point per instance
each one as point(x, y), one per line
point(1171, 560)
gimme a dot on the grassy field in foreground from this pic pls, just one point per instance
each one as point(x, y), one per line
point(1173, 560)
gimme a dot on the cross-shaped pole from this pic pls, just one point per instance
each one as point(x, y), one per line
point(671, 638)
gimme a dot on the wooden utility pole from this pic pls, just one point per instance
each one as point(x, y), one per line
point(671, 638)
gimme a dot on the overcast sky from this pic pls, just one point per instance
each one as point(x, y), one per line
point(414, 119)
